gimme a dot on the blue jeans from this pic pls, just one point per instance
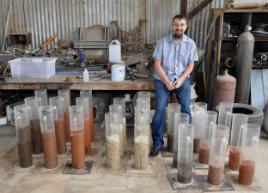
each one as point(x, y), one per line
point(183, 95)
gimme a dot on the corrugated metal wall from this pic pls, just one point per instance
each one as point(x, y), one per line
point(45, 17)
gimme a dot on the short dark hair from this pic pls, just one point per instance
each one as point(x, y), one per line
point(179, 17)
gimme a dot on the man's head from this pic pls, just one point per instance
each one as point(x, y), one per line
point(179, 26)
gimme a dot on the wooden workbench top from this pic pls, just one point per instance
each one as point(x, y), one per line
point(75, 82)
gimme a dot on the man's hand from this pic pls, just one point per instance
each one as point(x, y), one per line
point(169, 85)
point(178, 83)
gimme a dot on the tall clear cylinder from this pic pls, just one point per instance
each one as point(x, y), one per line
point(88, 94)
point(185, 152)
point(211, 120)
point(77, 136)
point(84, 103)
point(172, 109)
point(234, 149)
point(116, 115)
point(48, 137)
point(250, 138)
point(42, 96)
point(217, 153)
point(225, 114)
point(112, 133)
point(57, 104)
point(179, 119)
point(65, 94)
point(23, 135)
point(36, 138)
point(198, 121)
point(141, 140)
point(122, 101)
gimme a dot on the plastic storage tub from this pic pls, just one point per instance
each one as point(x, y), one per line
point(36, 67)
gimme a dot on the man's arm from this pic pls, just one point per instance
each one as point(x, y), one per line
point(160, 71)
point(184, 75)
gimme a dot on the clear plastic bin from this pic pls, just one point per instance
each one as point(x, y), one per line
point(37, 67)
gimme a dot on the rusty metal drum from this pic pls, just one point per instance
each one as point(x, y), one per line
point(224, 89)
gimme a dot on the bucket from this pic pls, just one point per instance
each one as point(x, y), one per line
point(118, 72)
point(115, 51)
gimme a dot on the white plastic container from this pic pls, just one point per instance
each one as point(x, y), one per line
point(115, 51)
point(36, 67)
point(118, 72)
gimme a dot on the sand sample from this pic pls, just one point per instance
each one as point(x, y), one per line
point(141, 152)
point(196, 145)
point(78, 150)
point(184, 174)
point(234, 158)
point(67, 125)
point(91, 124)
point(60, 136)
point(203, 155)
point(121, 145)
point(36, 136)
point(113, 152)
point(246, 172)
point(24, 147)
point(88, 136)
point(215, 175)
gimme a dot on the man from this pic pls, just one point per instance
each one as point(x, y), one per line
point(174, 56)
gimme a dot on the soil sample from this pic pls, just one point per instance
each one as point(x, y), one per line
point(196, 145)
point(141, 152)
point(36, 136)
point(67, 126)
point(203, 155)
point(234, 158)
point(91, 124)
point(60, 136)
point(50, 149)
point(88, 136)
point(170, 143)
point(246, 172)
point(113, 152)
point(175, 159)
point(24, 147)
point(78, 150)
point(184, 174)
point(215, 175)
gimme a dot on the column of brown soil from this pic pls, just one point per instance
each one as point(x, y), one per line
point(234, 158)
point(25, 147)
point(91, 124)
point(50, 149)
point(87, 136)
point(215, 175)
point(60, 136)
point(78, 150)
point(196, 145)
point(36, 137)
point(246, 172)
point(67, 126)
point(203, 155)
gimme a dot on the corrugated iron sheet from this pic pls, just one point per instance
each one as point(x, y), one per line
point(46, 17)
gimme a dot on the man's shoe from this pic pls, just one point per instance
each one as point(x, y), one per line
point(154, 151)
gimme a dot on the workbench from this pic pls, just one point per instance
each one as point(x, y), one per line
point(74, 82)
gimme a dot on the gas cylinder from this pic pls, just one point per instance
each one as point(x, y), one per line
point(245, 51)
point(224, 89)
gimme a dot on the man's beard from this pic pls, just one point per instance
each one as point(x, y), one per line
point(177, 35)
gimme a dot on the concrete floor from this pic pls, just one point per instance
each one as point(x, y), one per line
point(101, 180)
